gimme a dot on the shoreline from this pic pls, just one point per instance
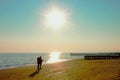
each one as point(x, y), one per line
point(77, 69)
point(34, 64)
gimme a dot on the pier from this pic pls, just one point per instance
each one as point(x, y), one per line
point(101, 57)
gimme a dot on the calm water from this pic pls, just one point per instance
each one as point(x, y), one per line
point(8, 60)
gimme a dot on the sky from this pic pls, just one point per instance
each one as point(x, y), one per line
point(92, 26)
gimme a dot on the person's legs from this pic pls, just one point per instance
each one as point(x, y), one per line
point(38, 66)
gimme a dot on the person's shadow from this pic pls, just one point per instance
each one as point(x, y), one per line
point(34, 73)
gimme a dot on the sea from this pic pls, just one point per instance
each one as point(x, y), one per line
point(10, 60)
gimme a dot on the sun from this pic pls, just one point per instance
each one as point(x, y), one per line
point(55, 18)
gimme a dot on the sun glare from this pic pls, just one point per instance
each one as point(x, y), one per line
point(55, 18)
point(54, 57)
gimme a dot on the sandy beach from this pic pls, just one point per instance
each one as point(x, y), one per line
point(68, 70)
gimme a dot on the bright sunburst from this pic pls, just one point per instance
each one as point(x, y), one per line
point(55, 18)
point(54, 57)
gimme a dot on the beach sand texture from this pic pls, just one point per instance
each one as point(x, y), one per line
point(78, 69)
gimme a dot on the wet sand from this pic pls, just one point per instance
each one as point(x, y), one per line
point(78, 69)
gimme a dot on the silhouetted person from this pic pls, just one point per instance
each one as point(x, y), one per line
point(39, 62)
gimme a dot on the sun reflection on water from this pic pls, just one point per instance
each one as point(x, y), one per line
point(54, 57)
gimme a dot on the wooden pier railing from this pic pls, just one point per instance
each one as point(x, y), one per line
point(101, 57)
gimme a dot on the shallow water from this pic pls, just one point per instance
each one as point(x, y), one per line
point(8, 60)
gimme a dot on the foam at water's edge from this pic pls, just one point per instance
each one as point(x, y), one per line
point(32, 64)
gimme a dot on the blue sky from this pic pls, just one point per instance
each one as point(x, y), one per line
point(94, 26)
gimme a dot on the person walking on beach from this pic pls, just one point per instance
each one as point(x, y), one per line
point(39, 62)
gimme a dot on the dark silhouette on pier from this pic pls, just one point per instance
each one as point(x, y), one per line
point(97, 57)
